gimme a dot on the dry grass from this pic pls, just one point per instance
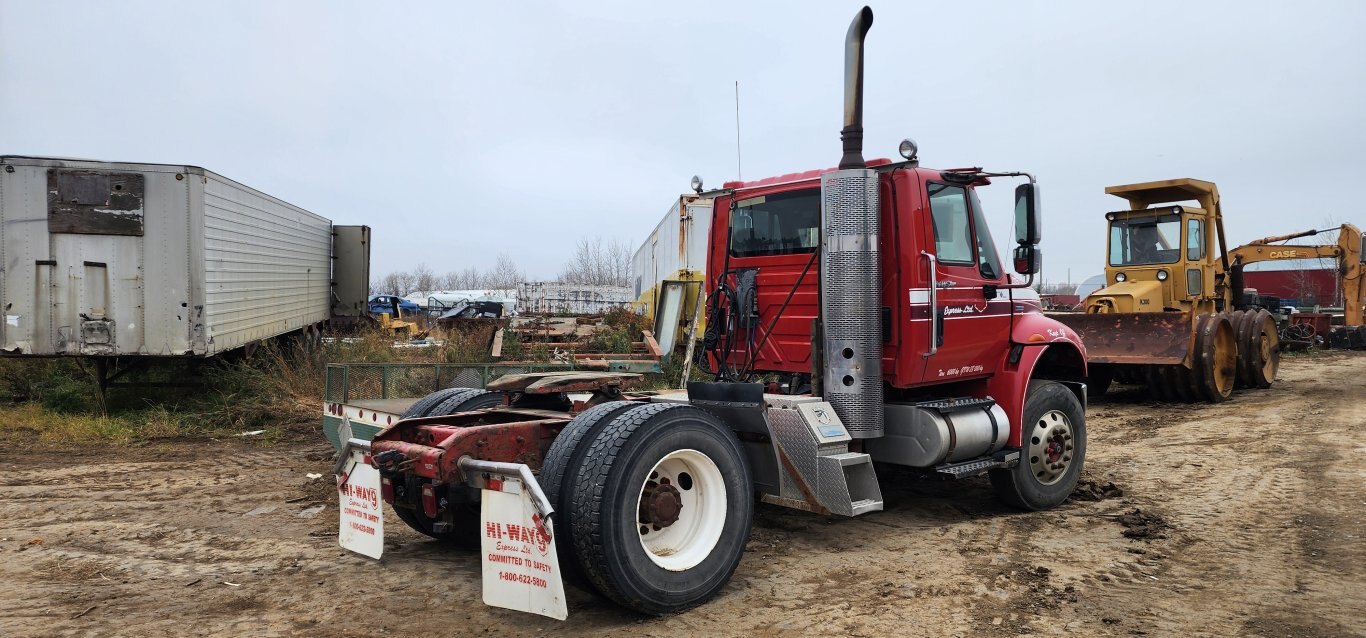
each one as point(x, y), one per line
point(53, 401)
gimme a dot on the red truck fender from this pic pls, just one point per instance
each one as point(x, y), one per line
point(1041, 348)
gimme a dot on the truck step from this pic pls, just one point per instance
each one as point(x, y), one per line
point(977, 467)
point(949, 406)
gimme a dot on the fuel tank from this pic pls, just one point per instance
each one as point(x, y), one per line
point(934, 432)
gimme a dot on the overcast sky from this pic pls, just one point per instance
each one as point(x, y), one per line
point(459, 130)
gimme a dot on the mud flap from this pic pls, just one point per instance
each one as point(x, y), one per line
point(1143, 338)
point(361, 528)
point(520, 566)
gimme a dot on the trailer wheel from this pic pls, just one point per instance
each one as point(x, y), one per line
point(560, 471)
point(1053, 450)
point(425, 404)
point(662, 507)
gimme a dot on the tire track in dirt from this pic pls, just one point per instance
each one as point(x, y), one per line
point(1262, 497)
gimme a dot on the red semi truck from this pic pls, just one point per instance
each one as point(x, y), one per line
point(858, 316)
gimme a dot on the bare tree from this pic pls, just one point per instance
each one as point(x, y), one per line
point(399, 283)
point(505, 275)
point(424, 280)
point(598, 263)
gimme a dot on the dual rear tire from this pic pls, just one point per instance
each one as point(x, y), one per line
point(655, 503)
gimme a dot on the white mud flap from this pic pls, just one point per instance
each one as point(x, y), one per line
point(521, 569)
point(361, 528)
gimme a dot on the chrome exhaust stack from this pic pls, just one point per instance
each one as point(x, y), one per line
point(852, 133)
point(851, 277)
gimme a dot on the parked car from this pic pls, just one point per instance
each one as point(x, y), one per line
point(385, 303)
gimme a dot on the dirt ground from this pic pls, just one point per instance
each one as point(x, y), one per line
point(1241, 519)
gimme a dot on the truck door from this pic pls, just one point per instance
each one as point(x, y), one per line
point(970, 316)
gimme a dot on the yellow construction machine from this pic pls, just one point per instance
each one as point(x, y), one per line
point(1168, 316)
point(1347, 252)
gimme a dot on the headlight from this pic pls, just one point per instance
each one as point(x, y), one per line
point(1121, 277)
point(697, 184)
point(1161, 275)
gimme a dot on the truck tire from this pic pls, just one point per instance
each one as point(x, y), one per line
point(467, 402)
point(425, 404)
point(464, 533)
point(1053, 448)
point(662, 507)
point(560, 469)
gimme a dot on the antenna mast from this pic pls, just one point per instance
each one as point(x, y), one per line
point(738, 174)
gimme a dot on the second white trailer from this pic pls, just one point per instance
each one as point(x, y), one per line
point(121, 259)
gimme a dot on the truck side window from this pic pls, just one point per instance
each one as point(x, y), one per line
point(952, 232)
point(779, 224)
point(988, 262)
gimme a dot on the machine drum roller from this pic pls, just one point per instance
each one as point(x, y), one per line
point(928, 434)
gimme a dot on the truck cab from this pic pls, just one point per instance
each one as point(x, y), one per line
point(946, 300)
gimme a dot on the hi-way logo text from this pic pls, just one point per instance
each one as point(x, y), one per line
point(517, 534)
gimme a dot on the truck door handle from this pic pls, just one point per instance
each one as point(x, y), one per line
point(934, 303)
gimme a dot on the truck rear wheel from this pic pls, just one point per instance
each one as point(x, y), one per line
point(425, 404)
point(561, 469)
point(1053, 449)
point(463, 516)
point(662, 507)
point(464, 530)
point(467, 402)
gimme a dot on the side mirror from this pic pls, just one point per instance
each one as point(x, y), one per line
point(1027, 215)
point(1028, 259)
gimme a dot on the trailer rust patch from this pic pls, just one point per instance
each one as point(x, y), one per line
point(94, 202)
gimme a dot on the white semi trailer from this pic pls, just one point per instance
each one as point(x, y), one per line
point(112, 259)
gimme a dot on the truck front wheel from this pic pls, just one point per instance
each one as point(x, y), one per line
point(1053, 448)
point(662, 508)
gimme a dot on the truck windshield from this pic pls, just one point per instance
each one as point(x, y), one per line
point(778, 224)
point(1145, 240)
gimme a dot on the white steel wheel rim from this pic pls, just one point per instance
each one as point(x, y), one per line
point(1052, 445)
point(687, 541)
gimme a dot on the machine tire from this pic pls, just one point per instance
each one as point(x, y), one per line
point(1157, 383)
point(1216, 358)
point(1100, 378)
point(425, 404)
point(1049, 407)
point(561, 468)
point(1264, 345)
point(467, 402)
point(1242, 332)
point(631, 459)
